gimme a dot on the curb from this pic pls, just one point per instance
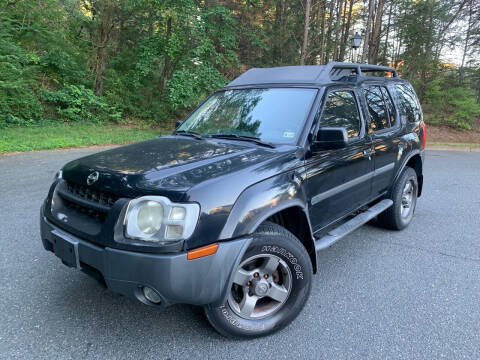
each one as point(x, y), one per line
point(454, 147)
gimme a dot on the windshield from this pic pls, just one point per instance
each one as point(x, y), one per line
point(273, 115)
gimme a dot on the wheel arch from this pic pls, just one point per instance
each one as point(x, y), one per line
point(296, 220)
point(281, 200)
point(413, 160)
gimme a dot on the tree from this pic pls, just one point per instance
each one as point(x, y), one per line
point(305, 31)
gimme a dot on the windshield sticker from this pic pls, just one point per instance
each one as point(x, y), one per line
point(288, 134)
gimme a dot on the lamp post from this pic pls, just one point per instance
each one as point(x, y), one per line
point(356, 41)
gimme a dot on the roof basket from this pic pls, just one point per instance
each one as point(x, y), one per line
point(335, 71)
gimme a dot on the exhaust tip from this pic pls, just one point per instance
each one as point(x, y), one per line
point(151, 295)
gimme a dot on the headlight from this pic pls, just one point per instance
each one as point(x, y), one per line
point(156, 219)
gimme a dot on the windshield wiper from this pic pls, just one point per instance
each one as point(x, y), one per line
point(189, 133)
point(253, 139)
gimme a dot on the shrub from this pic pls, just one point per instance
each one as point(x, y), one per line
point(77, 103)
point(452, 105)
point(19, 104)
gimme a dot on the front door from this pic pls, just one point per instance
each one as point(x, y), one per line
point(339, 181)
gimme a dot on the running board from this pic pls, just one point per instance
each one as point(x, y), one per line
point(346, 228)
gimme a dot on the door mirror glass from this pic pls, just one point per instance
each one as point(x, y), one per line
point(329, 138)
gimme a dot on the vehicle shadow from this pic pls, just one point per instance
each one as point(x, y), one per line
point(84, 303)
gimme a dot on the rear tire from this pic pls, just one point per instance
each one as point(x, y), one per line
point(270, 288)
point(404, 196)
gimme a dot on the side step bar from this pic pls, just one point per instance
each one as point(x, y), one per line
point(346, 228)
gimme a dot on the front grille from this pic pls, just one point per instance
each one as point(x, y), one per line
point(84, 200)
point(87, 193)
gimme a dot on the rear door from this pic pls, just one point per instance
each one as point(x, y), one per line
point(384, 125)
point(339, 181)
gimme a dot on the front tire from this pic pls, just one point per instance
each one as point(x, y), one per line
point(404, 196)
point(270, 286)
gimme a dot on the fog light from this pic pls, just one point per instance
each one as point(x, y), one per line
point(151, 295)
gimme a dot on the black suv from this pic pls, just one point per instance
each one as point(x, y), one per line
point(230, 210)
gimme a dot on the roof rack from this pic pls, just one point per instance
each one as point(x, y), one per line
point(335, 70)
point(308, 74)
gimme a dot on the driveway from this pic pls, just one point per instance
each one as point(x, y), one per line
point(378, 294)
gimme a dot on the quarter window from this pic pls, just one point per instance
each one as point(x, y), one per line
point(341, 110)
point(409, 102)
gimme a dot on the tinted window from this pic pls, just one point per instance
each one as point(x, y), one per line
point(376, 108)
point(390, 106)
point(341, 111)
point(409, 102)
point(274, 115)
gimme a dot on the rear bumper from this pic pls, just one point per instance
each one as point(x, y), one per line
point(175, 279)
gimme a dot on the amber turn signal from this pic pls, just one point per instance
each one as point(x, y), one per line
point(202, 251)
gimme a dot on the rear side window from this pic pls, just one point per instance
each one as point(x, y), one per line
point(341, 110)
point(376, 108)
point(409, 102)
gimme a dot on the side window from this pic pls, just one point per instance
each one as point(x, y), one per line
point(409, 102)
point(390, 106)
point(341, 110)
point(376, 108)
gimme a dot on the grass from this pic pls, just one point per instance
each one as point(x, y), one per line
point(71, 135)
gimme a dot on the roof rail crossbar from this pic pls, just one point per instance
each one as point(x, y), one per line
point(373, 68)
point(335, 70)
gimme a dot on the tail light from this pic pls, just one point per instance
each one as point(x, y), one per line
point(424, 135)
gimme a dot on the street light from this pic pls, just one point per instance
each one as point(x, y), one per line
point(356, 40)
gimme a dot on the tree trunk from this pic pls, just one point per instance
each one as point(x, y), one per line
point(323, 10)
point(167, 64)
point(337, 29)
point(105, 12)
point(366, 41)
point(305, 32)
point(278, 33)
point(328, 44)
point(387, 33)
point(467, 41)
point(347, 31)
point(375, 38)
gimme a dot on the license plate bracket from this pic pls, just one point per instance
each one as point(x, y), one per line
point(66, 249)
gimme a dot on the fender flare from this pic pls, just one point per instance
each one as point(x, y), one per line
point(403, 164)
point(261, 200)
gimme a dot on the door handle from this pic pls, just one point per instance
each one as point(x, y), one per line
point(368, 153)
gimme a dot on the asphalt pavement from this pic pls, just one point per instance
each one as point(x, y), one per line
point(379, 294)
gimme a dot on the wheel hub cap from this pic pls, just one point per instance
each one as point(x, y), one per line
point(261, 286)
point(408, 199)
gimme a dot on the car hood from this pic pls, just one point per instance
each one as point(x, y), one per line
point(166, 166)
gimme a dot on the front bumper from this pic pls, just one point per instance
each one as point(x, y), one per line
point(200, 281)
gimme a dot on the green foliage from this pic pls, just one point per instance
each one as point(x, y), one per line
point(154, 60)
point(76, 103)
point(451, 105)
point(19, 104)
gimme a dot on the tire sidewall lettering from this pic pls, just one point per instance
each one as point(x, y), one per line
point(287, 255)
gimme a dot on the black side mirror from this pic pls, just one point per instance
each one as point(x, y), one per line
point(329, 138)
point(178, 123)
